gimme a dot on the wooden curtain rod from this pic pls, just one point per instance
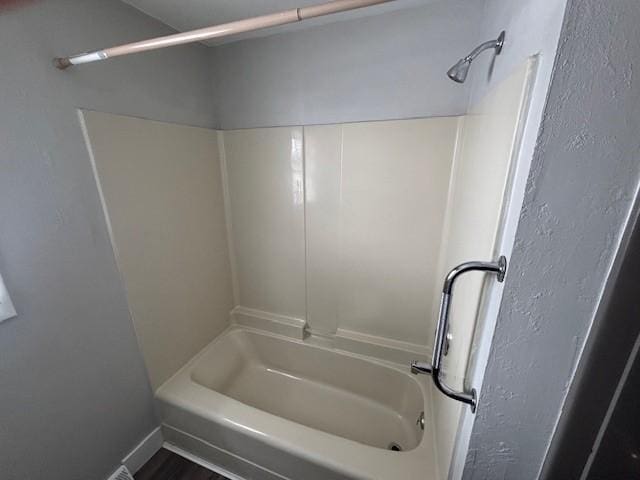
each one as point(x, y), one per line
point(217, 31)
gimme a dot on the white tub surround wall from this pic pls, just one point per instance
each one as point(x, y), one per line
point(384, 221)
point(265, 175)
point(489, 141)
point(482, 173)
point(162, 194)
point(340, 231)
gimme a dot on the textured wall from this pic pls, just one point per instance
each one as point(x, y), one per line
point(584, 177)
point(74, 393)
point(384, 67)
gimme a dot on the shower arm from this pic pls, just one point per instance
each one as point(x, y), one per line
point(440, 348)
point(496, 44)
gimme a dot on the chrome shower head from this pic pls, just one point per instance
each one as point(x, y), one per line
point(458, 73)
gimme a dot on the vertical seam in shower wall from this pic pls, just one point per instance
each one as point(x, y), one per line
point(226, 196)
point(304, 229)
point(339, 255)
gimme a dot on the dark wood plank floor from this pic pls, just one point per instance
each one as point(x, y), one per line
point(166, 465)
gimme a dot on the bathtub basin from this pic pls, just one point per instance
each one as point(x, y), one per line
point(265, 406)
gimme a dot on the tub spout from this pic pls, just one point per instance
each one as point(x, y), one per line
point(421, 367)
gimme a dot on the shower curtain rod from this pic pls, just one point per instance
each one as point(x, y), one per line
point(218, 31)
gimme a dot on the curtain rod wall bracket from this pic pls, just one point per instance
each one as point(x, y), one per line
point(61, 63)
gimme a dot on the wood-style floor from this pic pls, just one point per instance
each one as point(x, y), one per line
point(166, 465)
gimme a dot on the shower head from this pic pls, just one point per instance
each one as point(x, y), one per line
point(458, 73)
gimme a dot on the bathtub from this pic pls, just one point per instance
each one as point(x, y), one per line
point(264, 406)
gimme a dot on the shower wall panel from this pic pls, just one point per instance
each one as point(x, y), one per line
point(162, 193)
point(388, 215)
point(266, 206)
point(350, 243)
point(480, 181)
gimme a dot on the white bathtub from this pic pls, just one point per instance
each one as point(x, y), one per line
point(264, 406)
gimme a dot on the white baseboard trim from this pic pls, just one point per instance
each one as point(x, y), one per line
point(143, 452)
point(272, 322)
point(200, 461)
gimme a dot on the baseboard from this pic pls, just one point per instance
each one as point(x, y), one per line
point(387, 349)
point(272, 322)
point(146, 449)
point(200, 461)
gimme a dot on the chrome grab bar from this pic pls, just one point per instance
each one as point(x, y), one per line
point(434, 368)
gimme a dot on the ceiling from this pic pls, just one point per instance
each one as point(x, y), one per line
point(184, 15)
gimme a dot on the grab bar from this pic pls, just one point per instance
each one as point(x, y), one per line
point(434, 368)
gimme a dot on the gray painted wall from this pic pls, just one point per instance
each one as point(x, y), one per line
point(383, 67)
point(74, 396)
point(581, 186)
point(533, 27)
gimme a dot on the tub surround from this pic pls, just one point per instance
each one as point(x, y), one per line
point(161, 189)
point(332, 239)
point(298, 227)
point(340, 226)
